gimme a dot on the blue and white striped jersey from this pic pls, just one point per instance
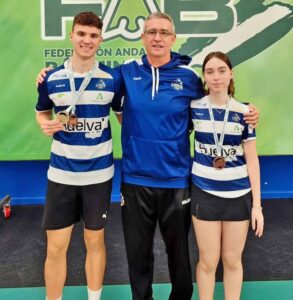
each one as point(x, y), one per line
point(231, 181)
point(81, 154)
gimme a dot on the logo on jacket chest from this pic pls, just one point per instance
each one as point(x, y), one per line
point(177, 85)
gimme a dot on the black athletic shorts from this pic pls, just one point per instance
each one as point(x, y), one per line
point(67, 204)
point(205, 206)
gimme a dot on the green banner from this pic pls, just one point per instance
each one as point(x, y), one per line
point(256, 35)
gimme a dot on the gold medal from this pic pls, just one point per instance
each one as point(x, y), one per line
point(72, 120)
point(62, 116)
point(219, 162)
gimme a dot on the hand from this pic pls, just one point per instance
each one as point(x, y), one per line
point(252, 117)
point(49, 127)
point(257, 221)
point(43, 73)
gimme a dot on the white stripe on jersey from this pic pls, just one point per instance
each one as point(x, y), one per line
point(87, 97)
point(82, 178)
point(223, 174)
point(234, 105)
point(229, 194)
point(207, 149)
point(81, 152)
point(62, 74)
point(206, 126)
point(249, 139)
point(89, 125)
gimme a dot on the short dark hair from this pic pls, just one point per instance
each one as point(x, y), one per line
point(223, 57)
point(87, 18)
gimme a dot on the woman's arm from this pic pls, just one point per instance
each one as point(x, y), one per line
point(257, 219)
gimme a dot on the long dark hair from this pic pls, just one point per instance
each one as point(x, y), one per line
point(223, 57)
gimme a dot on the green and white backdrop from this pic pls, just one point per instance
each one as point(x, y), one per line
point(256, 34)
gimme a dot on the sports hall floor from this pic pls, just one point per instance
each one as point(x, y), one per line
point(268, 262)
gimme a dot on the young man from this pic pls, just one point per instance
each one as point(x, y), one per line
point(80, 93)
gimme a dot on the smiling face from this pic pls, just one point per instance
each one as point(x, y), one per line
point(217, 75)
point(158, 38)
point(85, 40)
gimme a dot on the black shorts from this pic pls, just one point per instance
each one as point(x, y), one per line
point(205, 206)
point(67, 204)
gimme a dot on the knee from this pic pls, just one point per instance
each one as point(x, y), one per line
point(208, 264)
point(231, 261)
point(56, 252)
point(94, 242)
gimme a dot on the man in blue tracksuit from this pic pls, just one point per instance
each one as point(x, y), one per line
point(158, 89)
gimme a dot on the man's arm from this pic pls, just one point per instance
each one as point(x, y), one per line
point(48, 126)
point(42, 74)
point(252, 117)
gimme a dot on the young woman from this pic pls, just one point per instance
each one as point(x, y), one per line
point(226, 180)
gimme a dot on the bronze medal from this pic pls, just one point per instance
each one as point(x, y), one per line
point(72, 120)
point(219, 162)
point(63, 117)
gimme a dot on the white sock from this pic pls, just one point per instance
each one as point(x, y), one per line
point(60, 298)
point(94, 295)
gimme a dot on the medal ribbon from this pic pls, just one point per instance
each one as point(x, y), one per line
point(219, 143)
point(84, 84)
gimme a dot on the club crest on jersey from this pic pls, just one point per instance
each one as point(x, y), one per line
point(177, 85)
point(236, 118)
point(101, 84)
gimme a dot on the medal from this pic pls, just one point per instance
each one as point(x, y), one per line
point(68, 116)
point(62, 116)
point(219, 162)
point(72, 120)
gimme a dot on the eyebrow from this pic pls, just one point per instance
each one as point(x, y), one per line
point(158, 29)
point(219, 68)
point(92, 33)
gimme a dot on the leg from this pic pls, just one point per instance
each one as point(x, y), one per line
point(234, 237)
point(175, 220)
point(55, 264)
point(208, 237)
point(139, 223)
point(95, 207)
point(95, 258)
